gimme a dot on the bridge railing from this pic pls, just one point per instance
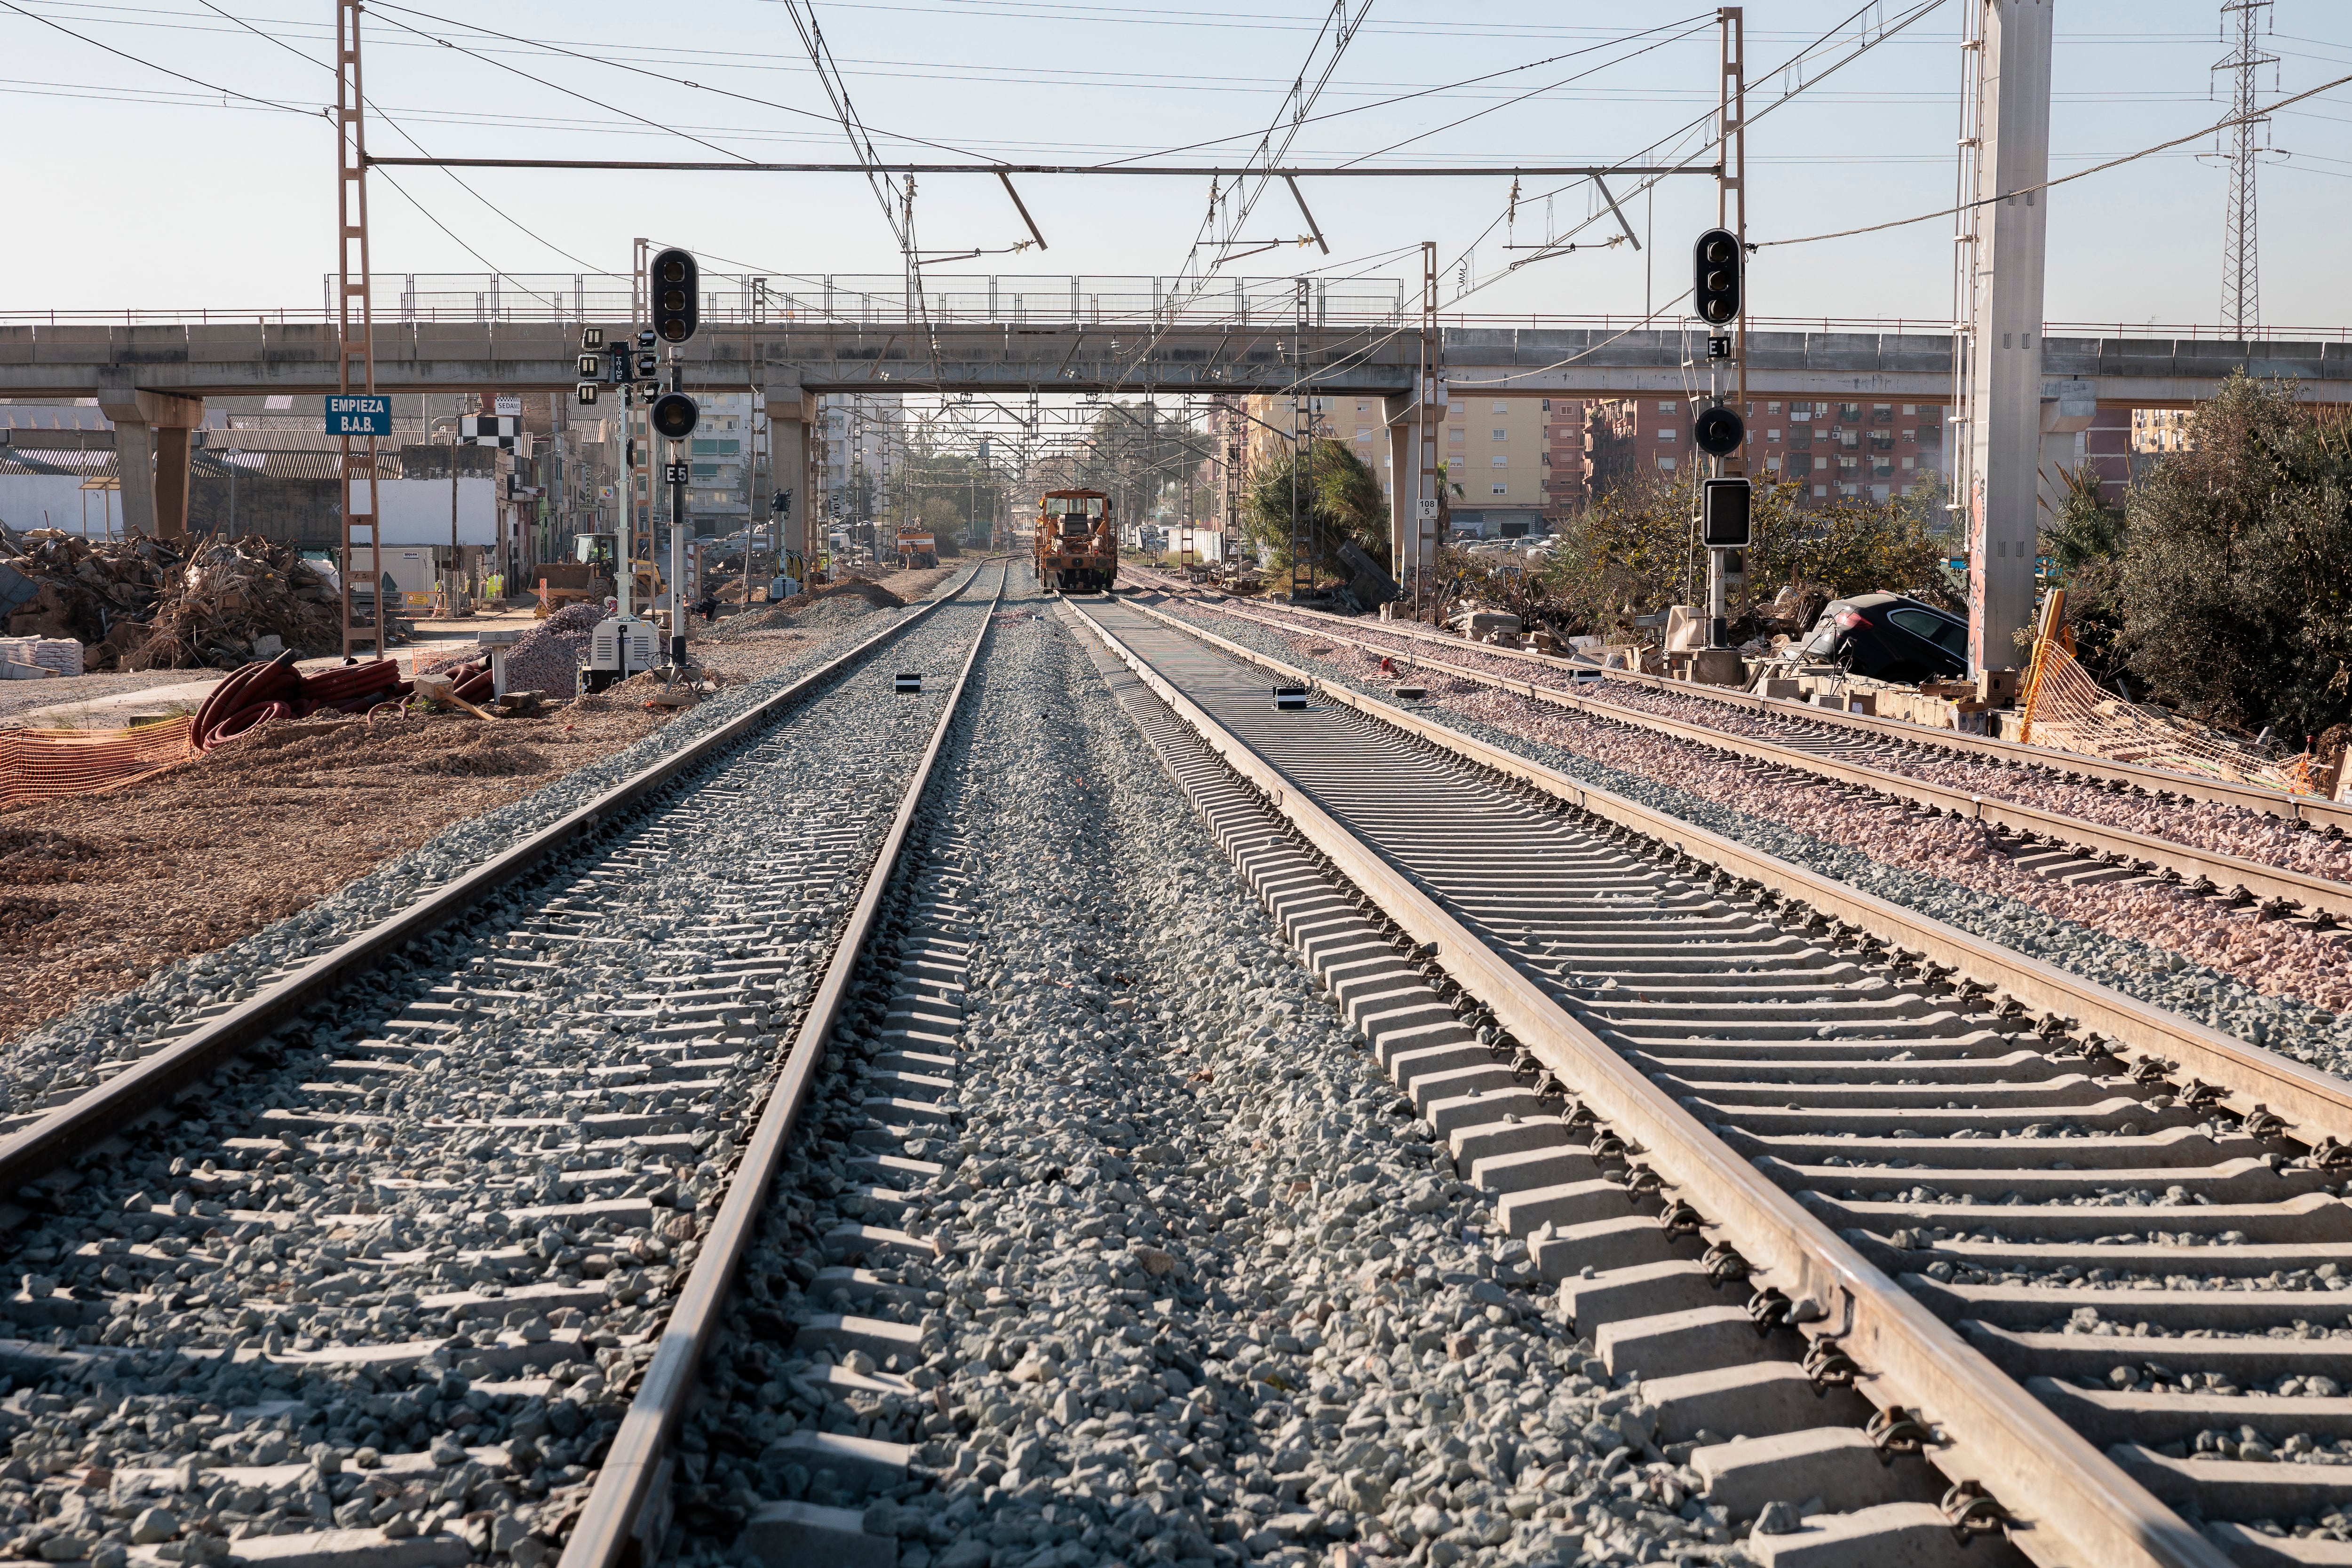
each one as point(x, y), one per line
point(1140, 302)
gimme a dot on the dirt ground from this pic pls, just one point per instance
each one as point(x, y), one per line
point(97, 892)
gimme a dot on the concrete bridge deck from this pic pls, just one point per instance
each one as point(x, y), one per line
point(195, 362)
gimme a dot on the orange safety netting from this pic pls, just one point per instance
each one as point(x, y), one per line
point(2068, 711)
point(39, 764)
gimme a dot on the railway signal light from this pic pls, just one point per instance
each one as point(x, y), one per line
point(649, 366)
point(584, 393)
point(674, 415)
point(591, 367)
point(1723, 513)
point(1714, 292)
point(1718, 430)
point(676, 288)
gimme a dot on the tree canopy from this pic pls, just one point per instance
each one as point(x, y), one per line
point(2235, 564)
point(1338, 500)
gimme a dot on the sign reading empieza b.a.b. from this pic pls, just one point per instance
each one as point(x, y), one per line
point(360, 414)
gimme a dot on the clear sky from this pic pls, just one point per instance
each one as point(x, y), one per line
point(158, 192)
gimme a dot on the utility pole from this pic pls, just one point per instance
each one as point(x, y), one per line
point(2241, 276)
point(2009, 158)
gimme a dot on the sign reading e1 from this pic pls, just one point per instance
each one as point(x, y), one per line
point(368, 413)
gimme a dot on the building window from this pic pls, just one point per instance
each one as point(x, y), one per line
point(1909, 409)
point(1666, 464)
point(1363, 433)
point(1665, 406)
point(1820, 463)
point(1499, 462)
point(1502, 408)
point(1771, 464)
point(1801, 411)
point(1821, 491)
point(1666, 435)
point(1502, 435)
point(1500, 489)
point(1910, 463)
point(1771, 408)
point(1771, 435)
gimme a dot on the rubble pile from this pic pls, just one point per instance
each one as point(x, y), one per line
point(153, 604)
point(220, 609)
point(102, 594)
point(548, 656)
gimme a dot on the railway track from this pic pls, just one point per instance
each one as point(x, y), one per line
point(2089, 1258)
point(360, 1266)
point(1836, 734)
point(1795, 746)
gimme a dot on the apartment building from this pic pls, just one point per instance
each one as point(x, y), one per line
point(2159, 429)
point(1517, 464)
point(1835, 451)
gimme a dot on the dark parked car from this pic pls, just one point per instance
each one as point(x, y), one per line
point(1888, 637)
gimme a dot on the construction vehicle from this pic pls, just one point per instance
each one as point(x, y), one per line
point(1076, 548)
point(918, 550)
point(588, 576)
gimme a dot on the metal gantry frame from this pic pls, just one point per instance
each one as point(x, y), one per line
point(355, 325)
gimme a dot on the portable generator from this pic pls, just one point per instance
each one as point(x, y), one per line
point(621, 646)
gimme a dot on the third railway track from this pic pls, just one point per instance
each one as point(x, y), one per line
point(2112, 1290)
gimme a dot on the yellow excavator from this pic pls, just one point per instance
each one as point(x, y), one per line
point(589, 578)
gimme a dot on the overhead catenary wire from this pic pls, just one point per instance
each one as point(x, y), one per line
point(321, 112)
point(2063, 179)
point(1410, 97)
point(377, 109)
point(1887, 30)
point(382, 5)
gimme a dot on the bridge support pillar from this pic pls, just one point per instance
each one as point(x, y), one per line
point(152, 435)
point(1404, 490)
point(788, 469)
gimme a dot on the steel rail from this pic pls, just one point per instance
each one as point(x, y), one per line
point(2225, 870)
point(2154, 780)
point(2048, 1477)
point(2316, 1104)
point(88, 1120)
point(627, 1513)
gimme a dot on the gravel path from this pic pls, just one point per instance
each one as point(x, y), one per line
point(2268, 983)
point(1173, 1276)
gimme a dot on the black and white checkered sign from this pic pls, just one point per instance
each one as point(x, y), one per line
point(497, 430)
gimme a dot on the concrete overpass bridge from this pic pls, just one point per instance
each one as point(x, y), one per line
point(151, 377)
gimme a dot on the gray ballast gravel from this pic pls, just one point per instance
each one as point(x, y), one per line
point(395, 1272)
point(1192, 1283)
point(49, 1064)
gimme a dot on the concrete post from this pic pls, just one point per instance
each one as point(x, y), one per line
point(2068, 407)
point(151, 446)
point(1405, 485)
point(788, 469)
point(2005, 432)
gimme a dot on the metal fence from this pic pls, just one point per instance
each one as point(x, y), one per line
point(858, 299)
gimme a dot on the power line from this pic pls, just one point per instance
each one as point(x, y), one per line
point(2063, 179)
point(403, 132)
point(1408, 98)
point(637, 71)
point(134, 60)
point(572, 92)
